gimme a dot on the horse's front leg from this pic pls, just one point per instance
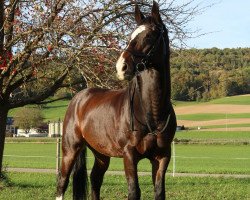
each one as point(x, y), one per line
point(131, 159)
point(159, 168)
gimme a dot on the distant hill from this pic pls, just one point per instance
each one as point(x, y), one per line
point(52, 111)
point(223, 114)
point(228, 113)
point(204, 74)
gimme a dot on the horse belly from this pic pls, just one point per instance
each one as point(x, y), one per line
point(103, 145)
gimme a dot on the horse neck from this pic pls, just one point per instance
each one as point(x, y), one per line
point(154, 89)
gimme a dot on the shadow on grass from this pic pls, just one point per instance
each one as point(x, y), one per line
point(59, 106)
point(4, 180)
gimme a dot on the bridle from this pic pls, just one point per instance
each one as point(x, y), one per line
point(146, 57)
point(140, 67)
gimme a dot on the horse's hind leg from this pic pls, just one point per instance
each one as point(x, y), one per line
point(100, 167)
point(70, 153)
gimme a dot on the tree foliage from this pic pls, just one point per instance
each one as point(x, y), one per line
point(203, 74)
point(27, 118)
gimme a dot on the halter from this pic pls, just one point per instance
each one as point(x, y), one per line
point(145, 61)
point(141, 66)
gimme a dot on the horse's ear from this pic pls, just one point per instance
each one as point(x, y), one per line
point(155, 13)
point(138, 15)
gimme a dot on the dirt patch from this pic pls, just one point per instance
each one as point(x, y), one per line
point(212, 108)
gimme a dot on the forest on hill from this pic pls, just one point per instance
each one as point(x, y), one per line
point(204, 74)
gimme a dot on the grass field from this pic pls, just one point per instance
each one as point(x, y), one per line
point(28, 186)
point(56, 110)
point(191, 158)
point(217, 152)
point(212, 116)
point(208, 135)
point(223, 126)
point(52, 111)
point(228, 113)
point(233, 100)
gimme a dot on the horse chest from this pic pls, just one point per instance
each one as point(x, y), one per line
point(149, 143)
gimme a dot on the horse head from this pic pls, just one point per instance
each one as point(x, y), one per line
point(148, 46)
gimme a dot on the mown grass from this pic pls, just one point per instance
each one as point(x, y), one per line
point(51, 111)
point(222, 126)
point(55, 110)
point(233, 100)
point(236, 100)
point(212, 116)
point(28, 186)
point(201, 158)
point(213, 158)
point(211, 135)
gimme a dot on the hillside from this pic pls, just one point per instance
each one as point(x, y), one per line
point(229, 113)
point(205, 74)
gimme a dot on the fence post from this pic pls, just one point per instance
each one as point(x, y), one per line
point(58, 148)
point(173, 159)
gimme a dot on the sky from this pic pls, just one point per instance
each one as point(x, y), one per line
point(227, 24)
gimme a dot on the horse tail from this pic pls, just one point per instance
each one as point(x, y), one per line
point(80, 176)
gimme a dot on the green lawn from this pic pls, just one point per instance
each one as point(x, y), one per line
point(236, 100)
point(222, 126)
point(51, 111)
point(28, 186)
point(213, 158)
point(200, 158)
point(211, 135)
point(56, 110)
point(212, 116)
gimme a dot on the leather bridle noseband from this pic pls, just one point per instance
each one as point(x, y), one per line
point(140, 67)
point(146, 57)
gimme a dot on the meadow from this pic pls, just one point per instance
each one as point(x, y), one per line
point(56, 110)
point(212, 116)
point(190, 158)
point(227, 150)
point(218, 152)
point(42, 187)
point(232, 100)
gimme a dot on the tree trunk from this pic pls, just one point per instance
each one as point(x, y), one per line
point(3, 120)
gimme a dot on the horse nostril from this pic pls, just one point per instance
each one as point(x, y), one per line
point(125, 67)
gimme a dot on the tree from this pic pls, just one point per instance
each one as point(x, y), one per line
point(27, 118)
point(50, 44)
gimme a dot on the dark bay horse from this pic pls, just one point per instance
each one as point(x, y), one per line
point(132, 123)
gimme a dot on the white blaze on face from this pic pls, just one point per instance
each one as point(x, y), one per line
point(59, 198)
point(119, 67)
point(137, 31)
point(121, 61)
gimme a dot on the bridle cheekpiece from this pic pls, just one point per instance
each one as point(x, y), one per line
point(146, 57)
